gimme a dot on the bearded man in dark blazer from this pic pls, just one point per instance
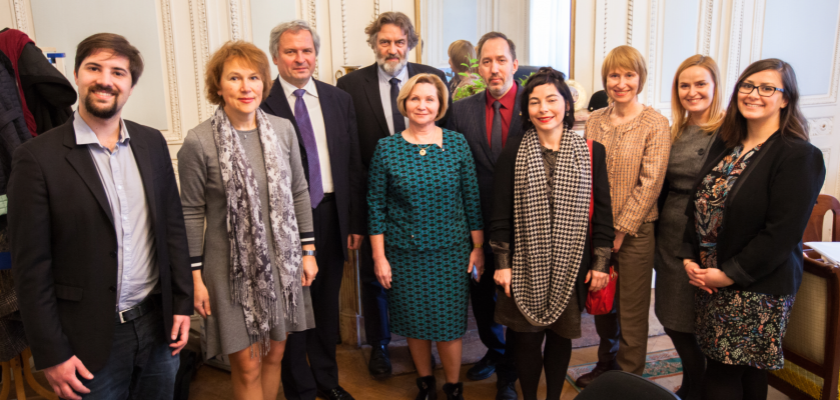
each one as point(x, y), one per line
point(374, 90)
point(99, 248)
point(325, 123)
point(487, 120)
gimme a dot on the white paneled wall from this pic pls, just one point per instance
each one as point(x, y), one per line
point(734, 32)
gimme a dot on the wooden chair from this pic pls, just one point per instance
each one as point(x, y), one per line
point(812, 351)
point(814, 230)
point(812, 342)
point(19, 367)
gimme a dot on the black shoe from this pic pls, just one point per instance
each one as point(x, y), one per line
point(484, 367)
point(428, 388)
point(336, 393)
point(380, 362)
point(505, 390)
point(600, 368)
point(454, 391)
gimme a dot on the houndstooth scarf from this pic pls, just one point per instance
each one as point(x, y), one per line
point(547, 256)
point(251, 277)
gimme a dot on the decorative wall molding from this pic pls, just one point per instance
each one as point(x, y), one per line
point(173, 134)
point(312, 19)
point(235, 21)
point(21, 16)
point(605, 13)
point(653, 44)
point(376, 8)
point(344, 32)
point(736, 32)
point(707, 27)
point(487, 12)
point(629, 22)
point(201, 53)
point(820, 126)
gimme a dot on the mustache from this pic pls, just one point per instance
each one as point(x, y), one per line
point(100, 88)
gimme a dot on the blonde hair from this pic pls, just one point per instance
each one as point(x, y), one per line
point(679, 113)
point(628, 58)
point(244, 52)
point(442, 93)
point(459, 52)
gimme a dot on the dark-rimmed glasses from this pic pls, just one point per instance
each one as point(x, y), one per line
point(763, 90)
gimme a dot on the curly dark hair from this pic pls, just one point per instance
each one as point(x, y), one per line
point(547, 75)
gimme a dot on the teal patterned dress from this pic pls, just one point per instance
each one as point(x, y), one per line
point(426, 206)
point(734, 326)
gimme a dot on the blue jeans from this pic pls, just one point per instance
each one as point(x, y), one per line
point(141, 365)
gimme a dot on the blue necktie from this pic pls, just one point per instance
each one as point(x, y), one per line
point(307, 134)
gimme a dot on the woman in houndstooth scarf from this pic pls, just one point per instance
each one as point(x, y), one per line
point(548, 244)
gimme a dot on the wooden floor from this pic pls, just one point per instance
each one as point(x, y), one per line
point(214, 384)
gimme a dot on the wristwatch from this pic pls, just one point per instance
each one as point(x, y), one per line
point(312, 253)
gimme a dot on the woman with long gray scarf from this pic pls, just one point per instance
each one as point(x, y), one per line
point(241, 175)
point(551, 231)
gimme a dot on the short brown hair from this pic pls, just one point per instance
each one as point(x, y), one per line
point(442, 93)
point(460, 51)
point(495, 35)
point(624, 57)
point(241, 50)
point(792, 123)
point(114, 43)
point(396, 18)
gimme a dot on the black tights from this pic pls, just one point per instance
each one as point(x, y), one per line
point(736, 382)
point(527, 355)
point(693, 363)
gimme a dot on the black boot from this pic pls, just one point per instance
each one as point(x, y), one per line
point(428, 388)
point(454, 391)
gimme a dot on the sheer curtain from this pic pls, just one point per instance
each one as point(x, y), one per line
point(550, 34)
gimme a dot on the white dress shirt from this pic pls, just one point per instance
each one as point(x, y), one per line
point(316, 117)
point(385, 93)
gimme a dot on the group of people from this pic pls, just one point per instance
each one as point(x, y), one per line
point(490, 200)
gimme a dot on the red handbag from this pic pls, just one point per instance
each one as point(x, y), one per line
point(600, 302)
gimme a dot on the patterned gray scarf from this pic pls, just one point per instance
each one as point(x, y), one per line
point(251, 277)
point(547, 257)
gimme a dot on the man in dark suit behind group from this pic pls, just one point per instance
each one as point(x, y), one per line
point(374, 90)
point(325, 123)
point(487, 120)
point(99, 249)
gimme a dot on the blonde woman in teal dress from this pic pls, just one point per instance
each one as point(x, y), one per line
point(426, 231)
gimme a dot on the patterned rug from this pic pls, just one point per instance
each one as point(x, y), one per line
point(663, 367)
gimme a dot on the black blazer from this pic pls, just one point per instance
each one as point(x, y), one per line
point(363, 86)
point(64, 246)
point(349, 176)
point(600, 229)
point(759, 244)
point(469, 117)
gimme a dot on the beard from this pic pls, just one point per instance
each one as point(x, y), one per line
point(98, 111)
point(391, 68)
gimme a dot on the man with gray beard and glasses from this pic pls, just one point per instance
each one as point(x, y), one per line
point(374, 90)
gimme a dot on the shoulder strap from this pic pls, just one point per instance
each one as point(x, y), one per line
point(592, 183)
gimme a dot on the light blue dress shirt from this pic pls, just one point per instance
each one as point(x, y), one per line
point(385, 93)
point(137, 273)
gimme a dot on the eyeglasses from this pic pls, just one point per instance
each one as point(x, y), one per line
point(763, 91)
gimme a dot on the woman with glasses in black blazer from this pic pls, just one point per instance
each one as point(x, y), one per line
point(742, 246)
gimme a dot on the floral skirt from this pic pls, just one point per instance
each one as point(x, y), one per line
point(743, 328)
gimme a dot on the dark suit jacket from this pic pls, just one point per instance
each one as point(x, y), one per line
point(469, 118)
point(64, 246)
point(759, 244)
point(348, 174)
point(363, 86)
